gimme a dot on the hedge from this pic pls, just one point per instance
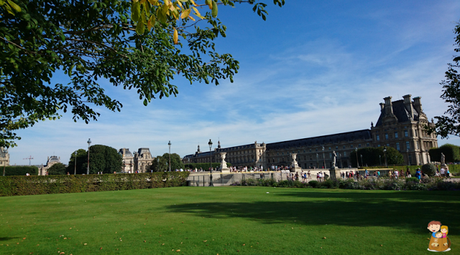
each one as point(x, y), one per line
point(19, 170)
point(35, 185)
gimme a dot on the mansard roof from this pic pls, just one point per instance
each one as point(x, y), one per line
point(125, 152)
point(401, 113)
point(364, 134)
point(143, 150)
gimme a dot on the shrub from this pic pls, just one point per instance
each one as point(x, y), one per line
point(392, 184)
point(313, 183)
point(412, 180)
point(329, 184)
point(429, 169)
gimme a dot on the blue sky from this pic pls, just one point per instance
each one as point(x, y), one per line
point(313, 68)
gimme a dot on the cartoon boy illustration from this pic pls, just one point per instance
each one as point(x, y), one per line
point(439, 240)
point(434, 226)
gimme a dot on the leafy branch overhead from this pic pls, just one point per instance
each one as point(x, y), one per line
point(132, 44)
point(449, 123)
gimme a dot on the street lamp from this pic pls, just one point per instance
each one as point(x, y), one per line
point(89, 143)
point(362, 164)
point(385, 155)
point(357, 162)
point(324, 160)
point(169, 143)
point(210, 163)
point(380, 160)
point(75, 168)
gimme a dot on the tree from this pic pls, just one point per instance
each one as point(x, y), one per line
point(449, 124)
point(57, 169)
point(104, 159)
point(176, 161)
point(134, 45)
point(82, 158)
point(452, 153)
point(161, 163)
point(376, 156)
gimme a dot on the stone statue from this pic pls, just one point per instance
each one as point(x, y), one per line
point(334, 158)
point(223, 164)
point(443, 159)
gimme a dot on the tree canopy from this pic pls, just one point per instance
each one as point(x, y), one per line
point(160, 163)
point(102, 158)
point(138, 45)
point(449, 123)
point(57, 169)
point(376, 156)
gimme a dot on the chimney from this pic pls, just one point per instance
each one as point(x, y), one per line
point(408, 106)
point(382, 107)
point(418, 105)
point(388, 106)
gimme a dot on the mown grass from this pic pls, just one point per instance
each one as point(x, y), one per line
point(226, 220)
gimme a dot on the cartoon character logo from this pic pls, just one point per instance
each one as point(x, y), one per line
point(439, 241)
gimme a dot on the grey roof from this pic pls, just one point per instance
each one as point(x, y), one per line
point(141, 151)
point(364, 134)
point(125, 151)
point(401, 113)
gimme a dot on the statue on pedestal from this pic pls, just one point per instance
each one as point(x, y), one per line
point(294, 165)
point(223, 164)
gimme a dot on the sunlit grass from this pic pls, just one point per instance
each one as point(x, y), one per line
point(226, 220)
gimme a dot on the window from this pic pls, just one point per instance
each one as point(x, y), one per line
point(396, 134)
point(377, 137)
point(344, 146)
point(408, 146)
point(406, 134)
point(336, 147)
point(351, 146)
point(344, 153)
point(397, 147)
point(386, 136)
point(359, 145)
point(378, 145)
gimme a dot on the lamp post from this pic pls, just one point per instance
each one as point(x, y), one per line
point(357, 162)
point(75, 168)
point(89, 143)
point(169, 144)
point(324, 160)
point(385, 155)
point(210, 163)
point(362, 164)
point(380, 160)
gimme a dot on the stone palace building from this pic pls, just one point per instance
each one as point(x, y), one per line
point(140, 161)
point(401, 125)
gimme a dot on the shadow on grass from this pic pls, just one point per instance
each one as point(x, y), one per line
point(404, 210)
point(7, 238)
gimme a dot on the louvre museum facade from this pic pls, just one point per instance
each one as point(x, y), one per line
point(401, 125)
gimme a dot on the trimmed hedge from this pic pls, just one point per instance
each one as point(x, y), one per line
point(35, 185)
point(19, 170)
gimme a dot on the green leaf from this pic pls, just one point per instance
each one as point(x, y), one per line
point(14, 6)
point(214, 9)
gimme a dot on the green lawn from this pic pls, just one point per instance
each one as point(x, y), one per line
point(227, 220)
